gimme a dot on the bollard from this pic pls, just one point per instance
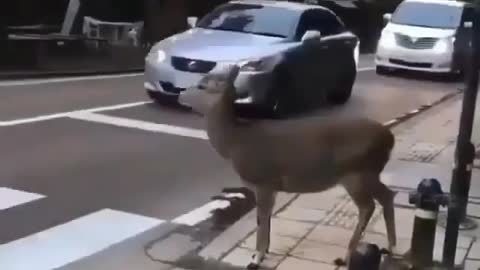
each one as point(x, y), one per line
point(367, 256)
point(427, 199)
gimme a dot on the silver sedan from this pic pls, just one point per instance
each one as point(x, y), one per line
point(293, 56)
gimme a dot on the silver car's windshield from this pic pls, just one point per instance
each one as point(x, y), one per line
point(428, 15)
point(251, 18)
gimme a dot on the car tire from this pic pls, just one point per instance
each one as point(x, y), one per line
point(162, 99)
point(382, 70)
point(278, 99)
point(341, 94)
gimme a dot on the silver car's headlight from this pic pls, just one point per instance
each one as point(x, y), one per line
point(262, 64)
point(157, 55)
point(161, 56)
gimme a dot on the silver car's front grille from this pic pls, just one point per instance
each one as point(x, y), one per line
point(422, 43)
point(192, 65)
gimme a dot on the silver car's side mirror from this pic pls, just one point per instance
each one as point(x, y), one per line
point(311, 34)
point(192, 21)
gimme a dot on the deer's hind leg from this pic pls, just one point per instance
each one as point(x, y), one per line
point(385, 197)
point(265, 200)
point(364, 200)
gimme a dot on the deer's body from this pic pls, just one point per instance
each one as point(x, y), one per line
point(303, 156)
point(281, 157)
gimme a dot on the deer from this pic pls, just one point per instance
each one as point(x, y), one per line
point(305, 155)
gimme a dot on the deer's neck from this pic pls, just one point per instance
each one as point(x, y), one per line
point(221, 125)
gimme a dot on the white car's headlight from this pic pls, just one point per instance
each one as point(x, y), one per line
point(387, 40)
point(444, 45)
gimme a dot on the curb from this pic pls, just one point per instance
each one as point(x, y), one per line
point(406, 116)
point(54, 74)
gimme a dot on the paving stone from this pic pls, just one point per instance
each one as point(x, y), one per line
point(345, 215)
point(475, 251)
point(403, 244)
point(317, 251)
point(278, 244)
point(302, 214)
point(460, 255)
point(473, 210)
point(326, 200)
point(402, 199)
point(298, 264)
point(240, 257)
point(173, 248)
point(403, 220)
point(330, 235)
point(472, 265)
point(289, 228)
point(462, 241)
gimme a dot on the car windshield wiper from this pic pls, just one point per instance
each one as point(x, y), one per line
point(247, 32)
point(222, 29)
point(426, 26)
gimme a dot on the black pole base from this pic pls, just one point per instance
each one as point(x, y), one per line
point(467, 224)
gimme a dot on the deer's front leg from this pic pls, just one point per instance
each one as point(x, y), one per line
point(265, 200)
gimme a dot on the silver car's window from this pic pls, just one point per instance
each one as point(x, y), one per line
point(251, 18)
point(428, 15)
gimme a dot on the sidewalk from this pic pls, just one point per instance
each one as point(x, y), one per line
point(313, 230)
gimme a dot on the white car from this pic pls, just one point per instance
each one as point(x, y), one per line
point(420, 35)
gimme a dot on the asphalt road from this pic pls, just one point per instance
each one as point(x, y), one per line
point(116, 171)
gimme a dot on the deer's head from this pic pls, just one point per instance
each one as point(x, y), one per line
point(211, 89)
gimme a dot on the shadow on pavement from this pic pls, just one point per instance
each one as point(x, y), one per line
point(199, 263)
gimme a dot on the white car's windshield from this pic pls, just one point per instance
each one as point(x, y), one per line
point(251, 18)
point(428, 15)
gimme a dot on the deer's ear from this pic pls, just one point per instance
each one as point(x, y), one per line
point(232, 73)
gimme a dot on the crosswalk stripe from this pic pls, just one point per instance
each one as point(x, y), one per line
point(10, 197)
point(142, 125)
point(200, 214)
point(74, 240)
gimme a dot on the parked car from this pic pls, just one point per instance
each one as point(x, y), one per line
point(421, 35)
point(293, 56)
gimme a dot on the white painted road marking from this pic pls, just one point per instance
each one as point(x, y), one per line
point(202, 213)
point(10, 198)
point(72, 241)
point(68, 79)
point(142, 125)
point(99, 109)
point(66, 114)
point(360, 69)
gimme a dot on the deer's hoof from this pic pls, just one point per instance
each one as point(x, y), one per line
point(256, 260)
point(340, 262)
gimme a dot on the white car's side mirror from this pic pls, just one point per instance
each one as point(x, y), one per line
point(192, 21)
point(387, 17)
point(311, 34)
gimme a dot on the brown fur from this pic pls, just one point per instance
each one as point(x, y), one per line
point(300, 156)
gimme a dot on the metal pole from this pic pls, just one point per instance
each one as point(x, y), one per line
point(464, 153)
